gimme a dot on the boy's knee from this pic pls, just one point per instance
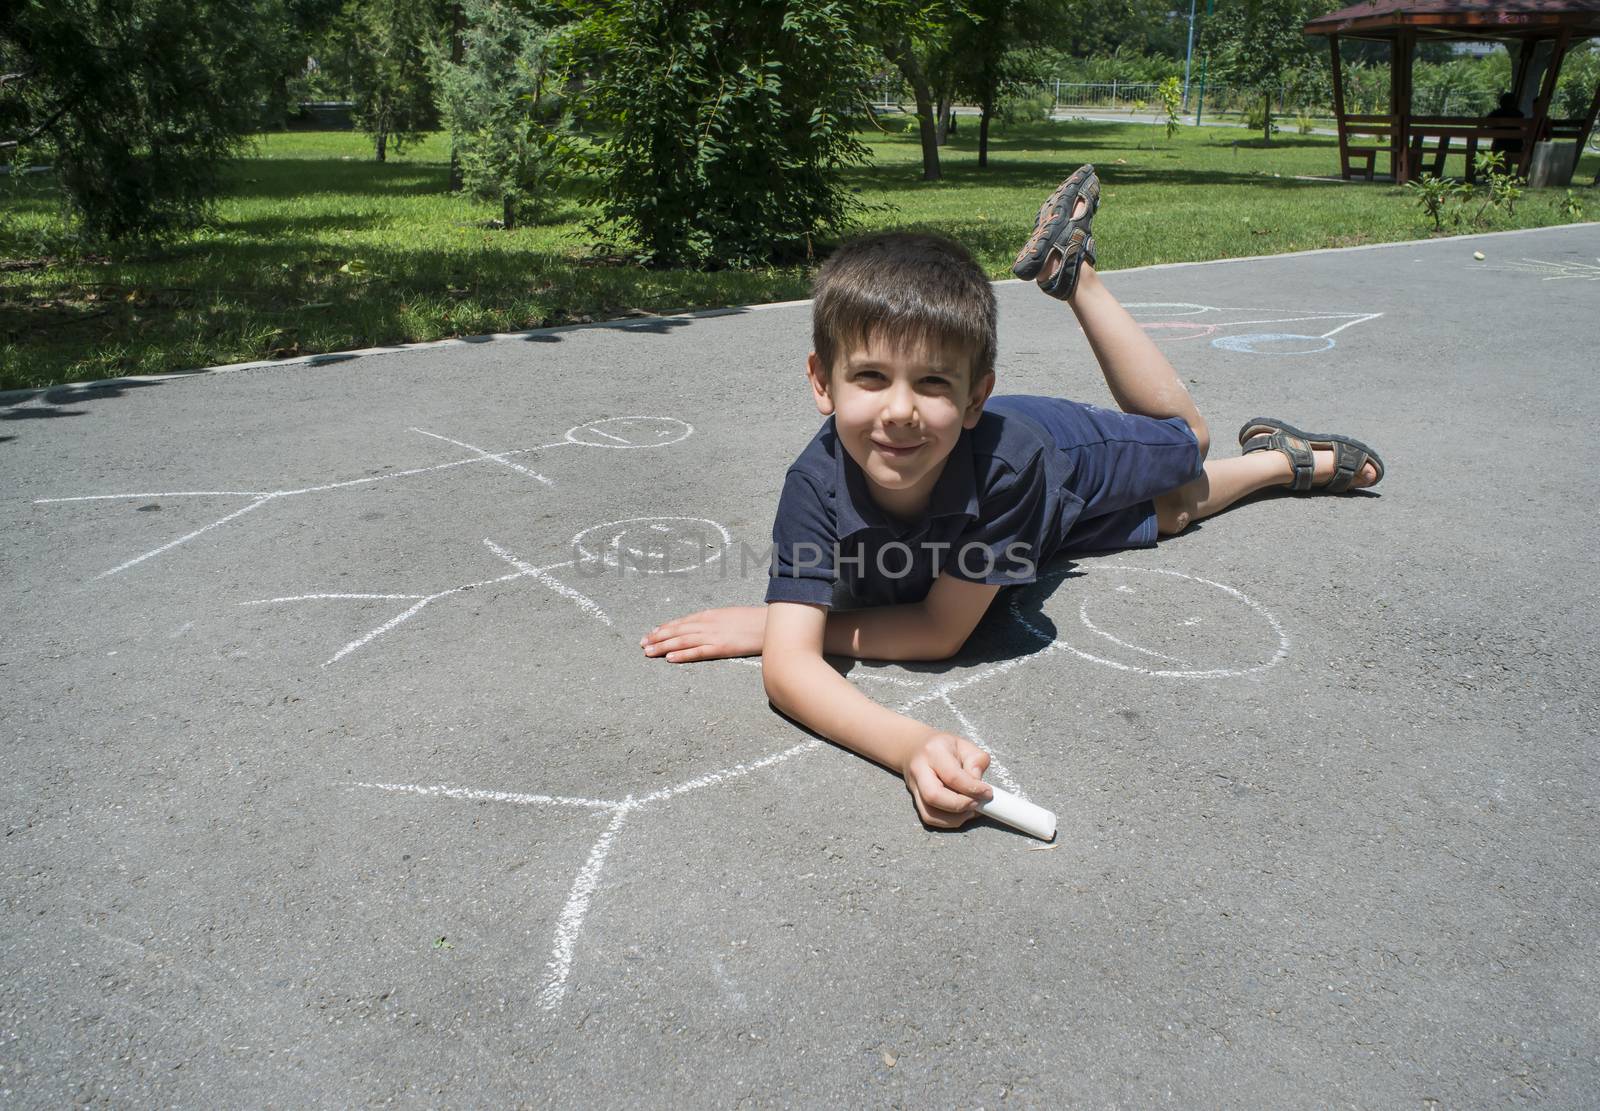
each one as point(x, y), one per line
point(1174, 511)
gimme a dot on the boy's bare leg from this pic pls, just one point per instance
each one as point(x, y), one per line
point(1225, 481)
point(1139, 375)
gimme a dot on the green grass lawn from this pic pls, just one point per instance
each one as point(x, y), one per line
point(317, 248)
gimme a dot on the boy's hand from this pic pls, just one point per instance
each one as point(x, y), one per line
point(709, 635)
point(945, 779)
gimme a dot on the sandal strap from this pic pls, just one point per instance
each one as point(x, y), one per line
point(1301, 461)
point(1347, 463)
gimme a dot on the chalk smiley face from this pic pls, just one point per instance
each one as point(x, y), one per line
point(630, 432)
point(652, 545)
point(1207, 629)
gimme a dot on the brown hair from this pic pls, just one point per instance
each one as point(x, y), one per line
point(903, 287)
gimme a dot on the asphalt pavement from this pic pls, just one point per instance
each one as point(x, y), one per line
point(335, 775)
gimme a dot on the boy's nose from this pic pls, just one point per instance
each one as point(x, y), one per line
point(901, 404)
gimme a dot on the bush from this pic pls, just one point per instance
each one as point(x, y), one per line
point(502, 112)
point(724, 127)
point(1028, 107)
point(1255, 114)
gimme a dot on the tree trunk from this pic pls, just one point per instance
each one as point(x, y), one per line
point(983, 131)
point(906, 62)
point(508, 211)
point(458, 23)
point(1266, 118)
point(942, 127)
point(380, 143)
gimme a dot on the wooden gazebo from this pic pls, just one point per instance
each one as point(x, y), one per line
point(1537, 32)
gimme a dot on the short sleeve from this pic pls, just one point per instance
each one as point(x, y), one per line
point(803, 542)
point(1009, 540)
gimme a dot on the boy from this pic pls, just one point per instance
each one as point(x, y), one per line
point(922, 496)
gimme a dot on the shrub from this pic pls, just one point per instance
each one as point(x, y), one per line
point(724, 126)
point(1026, 107)
point(500, 105)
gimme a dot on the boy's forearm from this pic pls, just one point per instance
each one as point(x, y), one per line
point(814, 694)
point(904, 632)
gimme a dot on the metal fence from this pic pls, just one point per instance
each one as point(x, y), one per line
point(1112, 96)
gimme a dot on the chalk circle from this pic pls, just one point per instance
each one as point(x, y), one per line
point(1191, 628)
point(1147, 309)
point(654, 545)
point(1274, 343)
point(630, 432)
point(1177, 329)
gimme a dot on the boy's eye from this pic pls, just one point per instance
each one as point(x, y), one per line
point(937, 381)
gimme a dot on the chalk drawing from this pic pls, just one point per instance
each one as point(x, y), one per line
point(608, 432)
point(942, 691)
point(1547, 271)
point(1219, 614)
point(664, 545)
point(1201, 321)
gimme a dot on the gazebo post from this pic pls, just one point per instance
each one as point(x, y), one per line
point(1588, 124)
point(1338, 109)
point(1541, 107)
point(1400, 103)
point(1519, 76)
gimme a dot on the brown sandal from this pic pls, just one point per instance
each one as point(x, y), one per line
point(1349, 455)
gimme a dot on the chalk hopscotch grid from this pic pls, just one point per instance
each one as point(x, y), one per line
point(574, 436)
point(569, 923)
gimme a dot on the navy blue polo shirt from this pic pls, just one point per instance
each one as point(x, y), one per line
point(1037, 477)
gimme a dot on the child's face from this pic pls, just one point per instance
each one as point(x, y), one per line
point(899, 412)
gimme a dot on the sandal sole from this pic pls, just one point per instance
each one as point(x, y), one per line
point(1053, 213)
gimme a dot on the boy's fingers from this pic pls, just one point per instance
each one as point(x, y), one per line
point(934, 794)
point(690, 655)
point(673, 644)
point(954, 775)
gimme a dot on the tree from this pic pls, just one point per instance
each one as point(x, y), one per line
point(501, 103)
point(1253, 44)
point(916, 36)
point(984, 43)
point(722, 126)
point(138, 103)
point(380, 49)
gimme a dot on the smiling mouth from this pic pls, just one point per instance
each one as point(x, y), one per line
point(894, 450)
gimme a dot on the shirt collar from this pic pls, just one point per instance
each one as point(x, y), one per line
point(955, 494)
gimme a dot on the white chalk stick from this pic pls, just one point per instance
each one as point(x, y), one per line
point(1020, 814)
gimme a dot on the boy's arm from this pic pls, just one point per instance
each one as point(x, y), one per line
point(932, 629)
point(942, 771)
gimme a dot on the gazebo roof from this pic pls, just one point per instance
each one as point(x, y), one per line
point(1461, 19)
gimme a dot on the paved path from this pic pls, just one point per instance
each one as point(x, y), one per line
point(335, 776)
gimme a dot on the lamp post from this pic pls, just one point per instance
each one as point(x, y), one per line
point(1188, 54)
point(1201, 103)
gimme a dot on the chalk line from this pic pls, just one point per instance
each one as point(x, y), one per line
point(585, 603)
point(490, 456)
point(1083, 615)
point(167, 547)
point(679, 431)
point(970, 731)
point(473, 794)
point(570, 924)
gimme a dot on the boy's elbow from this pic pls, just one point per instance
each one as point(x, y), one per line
point(775, 680)
point(947, 646)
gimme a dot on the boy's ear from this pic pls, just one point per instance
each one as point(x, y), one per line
point(820, 384)
point(980, 394)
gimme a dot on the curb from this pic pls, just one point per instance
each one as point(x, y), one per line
point(624, 323)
